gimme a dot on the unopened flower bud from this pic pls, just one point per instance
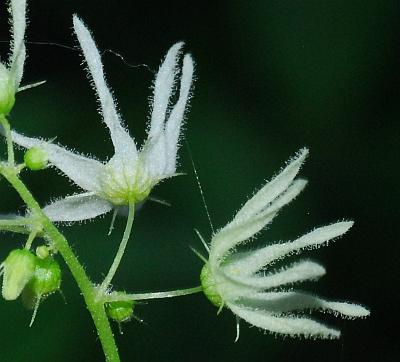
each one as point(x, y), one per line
point(42, 251)
point(19, 268)
point(121, 310)
point(36, 158)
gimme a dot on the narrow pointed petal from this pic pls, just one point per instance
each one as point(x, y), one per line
point(284, 302)
point(228, 238)
point(154, 156)
point(273, 188)
point(83, 171)
point(240, 230)
point(298, 272)
point(17, 58)
point(251, 263)
point(291, 326)
point(174, 123)
point(123, 143)
point(163, 88)
point(77, 208)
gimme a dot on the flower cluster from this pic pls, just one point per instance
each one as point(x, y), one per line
point(243, 280)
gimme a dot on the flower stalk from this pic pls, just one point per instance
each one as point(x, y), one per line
point(120, 253)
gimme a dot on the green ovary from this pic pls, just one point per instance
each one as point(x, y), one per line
point(121, 189)
point(209, 286)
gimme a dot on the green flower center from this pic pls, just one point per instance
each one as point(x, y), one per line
point(121, 184)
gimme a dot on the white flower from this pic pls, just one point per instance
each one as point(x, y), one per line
point(129, 176)
point(245, 282)
point(11, 73)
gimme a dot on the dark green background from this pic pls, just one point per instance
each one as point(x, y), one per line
point(272, 76)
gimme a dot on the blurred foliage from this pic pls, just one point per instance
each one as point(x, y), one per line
point(272, 76)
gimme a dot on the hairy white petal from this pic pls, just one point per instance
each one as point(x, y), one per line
point(154, 156)
point(17, 57)
point(283, 302)
point(77, 207)
point(292, 326)
point(238, 231)
point(123, 143)
point(83, 171)
point(229, 237)
point(297, 272)
point(287, 196)
point(273, 188)
point(163, 88)
point(254, 261)
point(174, 123)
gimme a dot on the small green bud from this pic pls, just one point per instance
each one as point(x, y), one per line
point(19, 268)
point(42, 251)
point(7, 90)
point(45, 280)
point(36, 158)
point(120, 311)
point(208, 284)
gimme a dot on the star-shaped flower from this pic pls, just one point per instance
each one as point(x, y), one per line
point(245, 281)
point(129, 176)
point(11, 73)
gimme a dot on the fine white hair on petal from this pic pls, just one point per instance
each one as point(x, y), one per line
point(163, 88)
point(83, 171)
point(286, 197)
point(288, 325)
point(174, 123)
point(274, 187)
point(153, 154)
point(251, 263)
point(123, 143)
point(228, 238)
point(284, 302)
point(240, 229)
point(17, 10)
point(297, 272)
point(77, 208)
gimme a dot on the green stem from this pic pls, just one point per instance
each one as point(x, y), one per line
point(120, 253)
point(10, 148)
point(96, 307)
point(156, 295)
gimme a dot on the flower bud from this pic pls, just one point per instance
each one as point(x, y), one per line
point(7, 90)
point(36, 158)
point(208, 284)
point(120, 311)
point(19, 268)
point(45, 280)
point(42, 251)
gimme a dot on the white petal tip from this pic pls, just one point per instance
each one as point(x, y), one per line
point(303, 152)
point(343, 226)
